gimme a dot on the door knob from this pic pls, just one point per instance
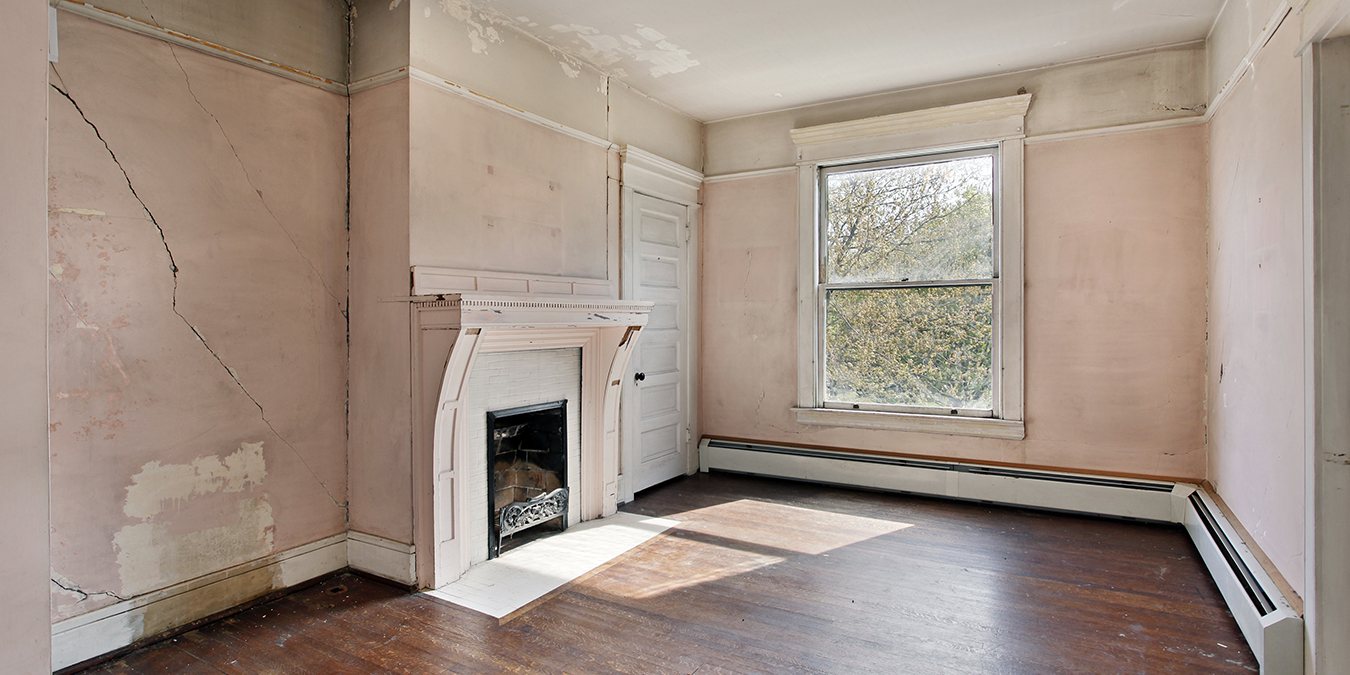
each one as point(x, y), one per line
point(639, 377)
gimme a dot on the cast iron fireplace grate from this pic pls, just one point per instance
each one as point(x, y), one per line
point(527, 473)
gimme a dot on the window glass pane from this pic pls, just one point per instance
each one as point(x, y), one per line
point(928, 347)
point(918, 222)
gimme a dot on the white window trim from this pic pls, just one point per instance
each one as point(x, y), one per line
point(998, 122)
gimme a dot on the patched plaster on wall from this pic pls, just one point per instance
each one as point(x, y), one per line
point(159, 483)
point(151, 556)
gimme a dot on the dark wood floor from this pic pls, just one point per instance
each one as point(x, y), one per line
point(766, 576)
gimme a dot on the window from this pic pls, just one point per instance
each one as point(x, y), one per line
point(910, 305)
point(906, 298)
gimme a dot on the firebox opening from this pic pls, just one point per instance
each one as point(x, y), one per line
point(527, 475)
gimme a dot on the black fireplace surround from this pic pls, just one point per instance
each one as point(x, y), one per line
point(527, 472)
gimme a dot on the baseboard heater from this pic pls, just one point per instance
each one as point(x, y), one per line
point(1100, 495)
point(1268, 622)
point(1272, 628)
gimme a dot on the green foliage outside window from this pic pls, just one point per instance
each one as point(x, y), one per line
point(928, 345)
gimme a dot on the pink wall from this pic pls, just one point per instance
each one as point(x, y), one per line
point(380, 426)
point(25, 624)
point(1256, 416)
point(196, 419)
point(491, 191)
point(1115, 312)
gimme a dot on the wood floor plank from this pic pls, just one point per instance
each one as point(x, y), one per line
point(766, 576)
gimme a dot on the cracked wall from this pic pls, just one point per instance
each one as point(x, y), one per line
point(197, 279)
point(1115, 312)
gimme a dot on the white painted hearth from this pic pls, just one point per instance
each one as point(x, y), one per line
point(450, 332)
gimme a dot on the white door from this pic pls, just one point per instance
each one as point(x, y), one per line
point(655, 419)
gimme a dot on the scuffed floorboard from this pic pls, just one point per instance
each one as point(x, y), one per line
point(765, 576)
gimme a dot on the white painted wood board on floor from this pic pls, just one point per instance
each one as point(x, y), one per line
point(518, 577)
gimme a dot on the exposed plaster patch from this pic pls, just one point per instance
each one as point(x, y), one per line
point(80, 212)
point(603, 50)
point(569, 70)
point(393, 4)
point(111, 357)
point(157, 484)
point(1197, 108)
point(149, 556)
point(480, 35)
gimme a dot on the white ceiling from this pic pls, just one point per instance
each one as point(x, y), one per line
point(715, 59)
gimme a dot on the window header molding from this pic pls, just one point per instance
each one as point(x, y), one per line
point(965, 123)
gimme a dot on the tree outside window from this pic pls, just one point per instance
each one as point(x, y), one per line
point(908, 283)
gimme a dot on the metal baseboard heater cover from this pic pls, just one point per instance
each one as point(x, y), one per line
point(1102, 495)
point(1272, 628)
point(1267, 620)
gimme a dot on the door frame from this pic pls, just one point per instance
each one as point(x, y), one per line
point(642, 172)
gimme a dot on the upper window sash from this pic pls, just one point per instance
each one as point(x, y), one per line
point(824, 172)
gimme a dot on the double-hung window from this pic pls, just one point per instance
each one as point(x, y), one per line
point(910, 305)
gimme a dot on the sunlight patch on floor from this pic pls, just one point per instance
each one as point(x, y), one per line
point(520, 576)
point(740, 537)
point(780, 526)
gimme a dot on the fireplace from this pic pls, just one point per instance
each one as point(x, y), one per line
point(527, 473)
point(471, 355)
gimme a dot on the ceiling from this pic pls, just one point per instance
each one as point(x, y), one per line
point(715, 59)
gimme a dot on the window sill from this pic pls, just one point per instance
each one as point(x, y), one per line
point(983, 427)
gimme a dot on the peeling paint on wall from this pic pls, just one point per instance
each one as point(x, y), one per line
point(154, 553)
point(151, 555)
point(158, 483)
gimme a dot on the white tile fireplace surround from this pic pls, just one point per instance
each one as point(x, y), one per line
point(511, 380)
point(514, 339)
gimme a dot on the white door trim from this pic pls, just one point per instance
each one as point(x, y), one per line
point(645, 173)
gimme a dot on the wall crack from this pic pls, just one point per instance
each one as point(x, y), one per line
point(263, 200)
point(173, 265)
point(70, 587)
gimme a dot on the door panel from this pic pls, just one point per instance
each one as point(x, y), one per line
point(656, 419)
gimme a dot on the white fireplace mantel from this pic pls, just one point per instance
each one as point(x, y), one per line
point(449, 331)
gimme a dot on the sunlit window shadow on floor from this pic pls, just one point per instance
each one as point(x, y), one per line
point(737, 537)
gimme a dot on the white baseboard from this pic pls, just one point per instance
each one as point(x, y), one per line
point(1100, 495)
point(81, 638)
point(385, 558)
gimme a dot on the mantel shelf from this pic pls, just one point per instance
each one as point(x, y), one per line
point(477, 310)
